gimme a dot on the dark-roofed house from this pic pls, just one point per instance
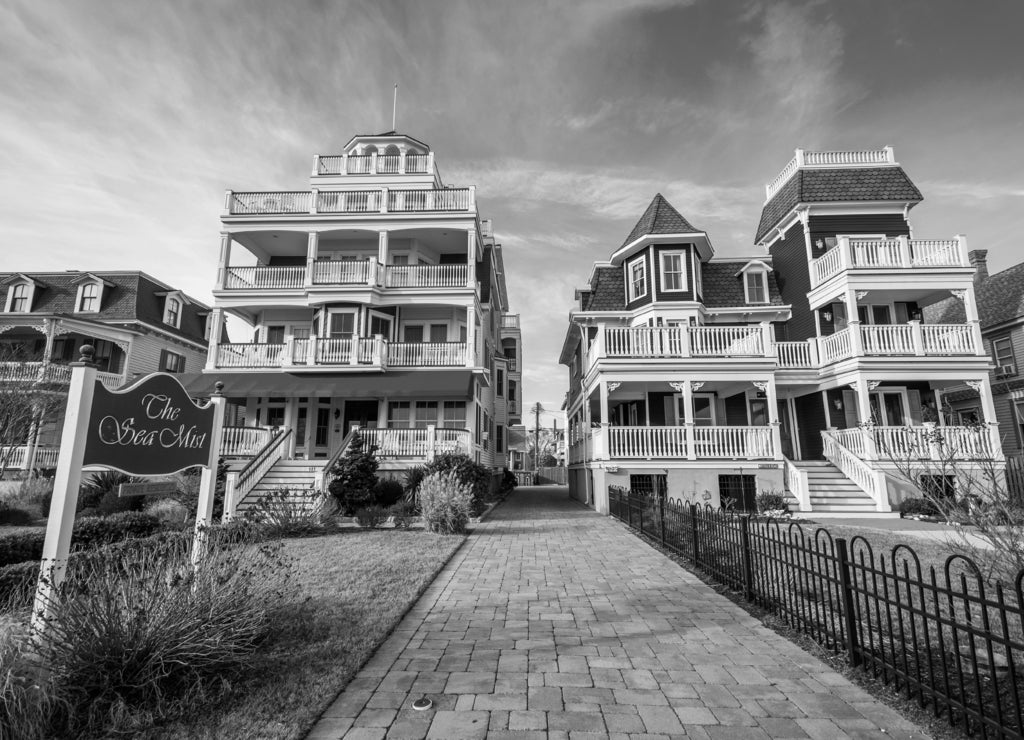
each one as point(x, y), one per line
point(136, 324)
point(810, 365)
point(378, 305)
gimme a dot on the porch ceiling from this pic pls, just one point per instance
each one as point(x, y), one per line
point(392, 384)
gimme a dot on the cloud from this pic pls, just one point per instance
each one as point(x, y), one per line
point(986, 193)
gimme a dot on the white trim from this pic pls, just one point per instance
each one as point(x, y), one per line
point(642, 259)
point(684, 282)
point(696, 238)
point(29, 295)
point(80, 295)
point(326, 328)
point(763, 276)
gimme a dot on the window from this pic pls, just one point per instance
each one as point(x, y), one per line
point(755, 284)
point(637, 283)
point(738, 492)
point(342, 325)
point(171, 362)
point(968, 417)
point(454, 415)
point(1002, 353)
point(499, 385)
point(172, 312)
point(20, 298)
point(275, 335)
point(499, 439)
point(426, 414)
point(512, 391)
point(90, 298)
point(399, 415)
point(874, 314)
point(673, 271)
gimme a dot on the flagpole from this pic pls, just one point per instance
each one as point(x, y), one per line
point(394, 109)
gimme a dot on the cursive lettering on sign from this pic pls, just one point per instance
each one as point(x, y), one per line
point(125, 434)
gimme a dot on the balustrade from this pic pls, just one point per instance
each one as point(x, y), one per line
point(794, 354)
point(270, 202)
point(696, 442)
point(244, 441)
point(263, 278)
point(426, 354)
point(887, 339)
point(426, 276)
point(344, 272)
point(381, 200)
point(881, 254)
point(680, 341)
point(416, 443)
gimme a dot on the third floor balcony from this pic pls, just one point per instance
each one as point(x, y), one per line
point(346, 273)
point(350, 202)
point(851, 254)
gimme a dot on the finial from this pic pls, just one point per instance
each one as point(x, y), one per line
point(218, 388)
point(86, 354)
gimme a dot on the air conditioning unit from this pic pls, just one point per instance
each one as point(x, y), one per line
point(486, 436)
point(1003, 370)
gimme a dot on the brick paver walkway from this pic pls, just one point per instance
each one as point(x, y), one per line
point(556, 622)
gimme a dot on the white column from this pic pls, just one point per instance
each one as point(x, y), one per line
point(470, 258)
point(603, 389)
point(470, 336)
point(853, 321)
point(988, 410)
point(771, 396)
point(208, 479)
point(51, 334)
point(312, 247)
point(216, 327)
point(691, 448)
point(864, 416)
point(971, 311)
point(382, 247)
point(225, 259)
point(768, 339)
point(916, 337)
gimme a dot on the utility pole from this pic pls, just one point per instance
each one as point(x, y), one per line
point(537, 408)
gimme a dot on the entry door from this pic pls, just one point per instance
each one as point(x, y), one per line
point(786, 429)
point(361, 413)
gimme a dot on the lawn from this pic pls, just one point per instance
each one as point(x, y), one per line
point(358, 584)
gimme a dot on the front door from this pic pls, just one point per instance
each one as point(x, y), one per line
point(786, 430)
point(360, 413)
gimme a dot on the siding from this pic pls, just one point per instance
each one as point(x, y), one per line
point(673, 296)
point(647, 299)
point(789, 262)
point(144, 357)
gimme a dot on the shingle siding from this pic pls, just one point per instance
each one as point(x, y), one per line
point(789, 258)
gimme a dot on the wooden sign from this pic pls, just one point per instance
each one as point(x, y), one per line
point(148, 488)
point(150, 428)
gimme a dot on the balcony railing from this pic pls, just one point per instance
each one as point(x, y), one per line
point(896, 340)
point(373, 164)
point(380, 200)
point(510, 321)
point(921, 442)
point(244, 441)
point(417, 443)
point(19, 457)
point(886, 254)
point(683, 341)
point(794, 355)
point(345, 272)
point(264, 278)
point(250, 355)
point(426, 276)
point(803, 158)
point(426, 354)
point(685, 442)
point(50, 372)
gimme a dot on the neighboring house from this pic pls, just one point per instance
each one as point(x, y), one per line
point(378, 304)
point(1001, 310)
point(136, 324)
point(804, 366)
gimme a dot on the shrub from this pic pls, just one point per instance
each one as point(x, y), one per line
point(18, 584)
point(371, 517)
point(35, 493)
point(771, 501)
point(285, 513)
point(413, 478)
point(14, 516)
point(403, 513)
point(111, 503)
point(31, 707)
point(446, 502)
point(387, 492)
point(918, 507)
point(139, 638)
point(93, 531)
point(18, 547)
point(472, 474)
point(354, 476)
point(170, 511)
point(98, 485)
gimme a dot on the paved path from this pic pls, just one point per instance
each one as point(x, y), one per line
point(556, 622)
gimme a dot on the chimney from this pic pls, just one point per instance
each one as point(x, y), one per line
point(979, 261)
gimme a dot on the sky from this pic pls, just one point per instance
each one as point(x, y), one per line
point(122, 123)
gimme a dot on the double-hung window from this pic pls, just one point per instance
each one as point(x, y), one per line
point(19, 298)
point(673, 271)
point(637, 281)
point(756, 285)
point(90, 300)
point(1002, 353)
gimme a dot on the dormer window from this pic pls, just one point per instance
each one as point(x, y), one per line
point(172, 312)
point(755, 281)
point(636, 281)
point(19, 300)
point(673, 271)
point(89, 298)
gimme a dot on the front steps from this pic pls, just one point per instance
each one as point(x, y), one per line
point(295, 475)
point(833, 495)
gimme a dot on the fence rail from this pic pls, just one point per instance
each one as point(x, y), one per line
point(947, 639)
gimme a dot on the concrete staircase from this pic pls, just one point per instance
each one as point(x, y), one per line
point(295, 475)
point(832, 494)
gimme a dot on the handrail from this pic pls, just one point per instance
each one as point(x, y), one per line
point(239, 484)
point(335, 456)
point(871, 481)
point(796, 482)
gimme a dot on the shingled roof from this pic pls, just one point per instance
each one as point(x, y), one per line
point(723, 288)
point(607, 291)
point(660, 218)
point(837, 185)
point(1001, 297)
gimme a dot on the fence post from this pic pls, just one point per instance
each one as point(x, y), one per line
point(661, 517)
point(849, 601)
point(748, 570)
point(629, 508)
point(693, 534)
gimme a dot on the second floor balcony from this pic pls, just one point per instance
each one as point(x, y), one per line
point(346, 273)
point(901, 253)
point(913, 339)
point(356, 353)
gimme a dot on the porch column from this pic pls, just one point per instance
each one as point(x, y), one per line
point(51, 334)
point(862, 389)
point(225, 259)
point(382, 250)
point(216, 327)
point(971, 311)
point(604, 402)
point(988, 410)
point(853, 321)
point(470, 258)
point(312, 246)
point(691, 448)
point(771, 395)
point(470, 336)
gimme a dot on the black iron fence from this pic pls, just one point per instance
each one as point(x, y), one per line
point(948, 640)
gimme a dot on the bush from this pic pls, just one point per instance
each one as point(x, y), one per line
point(354, 476)
point(18, 584)
point(771, 501)
point(469, 473)
point(446, 502)
point(18, 547)
point(139, 637)
point(170, 511)
point(93, 531)
point(388, 491)
point(13, 516)
point(31, 707)
point(371, 517)
point(403, 513)
point(35, 494)
point(111, 503)
point(918, 507)
point(98, 485)
point(285, 513)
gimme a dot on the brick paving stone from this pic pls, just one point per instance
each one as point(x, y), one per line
point(556, 622)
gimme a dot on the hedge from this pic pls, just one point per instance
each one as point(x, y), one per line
point(88, 532)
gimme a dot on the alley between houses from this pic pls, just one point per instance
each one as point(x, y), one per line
point(553, 620)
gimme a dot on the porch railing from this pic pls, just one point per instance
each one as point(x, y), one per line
point(19, 457)
point(51, 372)
point(374, 352)
point(378, 200)
point(835, 347)
point(417, 443)
point(244, 441)
point(426, 354)
point(694, 442)
point(250, 355)
point(349, 201)
point(682, 341)
point(344, 272)
point(426, 276)
point(795, 355)
point(373, 164)
point(872, 482)
point(851, 253)
point(889, 340)
point(262, 278)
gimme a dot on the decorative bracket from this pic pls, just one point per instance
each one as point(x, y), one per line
point(960, 295)
point(613, 386)
point(974, 385)
point(678, 386)
point(696, 385)
point(872, 384)
point(761, 385)
point(862, 294)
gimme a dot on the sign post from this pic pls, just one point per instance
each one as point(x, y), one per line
point(150, 428)
point(66, 482)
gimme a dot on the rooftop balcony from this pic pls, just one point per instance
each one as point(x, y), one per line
point(805, 159)
point(510, 321)
point(350, 202)
point(346, 273)
point(888, 254)
point(373, 164)
point(358, 353)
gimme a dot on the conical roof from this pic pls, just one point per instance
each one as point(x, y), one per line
point(660, 218)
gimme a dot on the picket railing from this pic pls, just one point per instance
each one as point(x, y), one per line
point(683, 341)
point(887, 339)
point(238, 485)
point(378, 200)
point(852, 253)
point(263, 278)
point(344, 272)
point(695, 442)
point(736, 443)
point(255, 354)
point(244, 441)
point(416, 443)
point(835, 347)
point(948, 339)
point(257, 203)
point(446, 199)
point(426, 276)
point(794, 355)
point(372, 164)
point(426, 354)
point(872, 482)
point(19, 457)
point(349, 201)
point(947, 638)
